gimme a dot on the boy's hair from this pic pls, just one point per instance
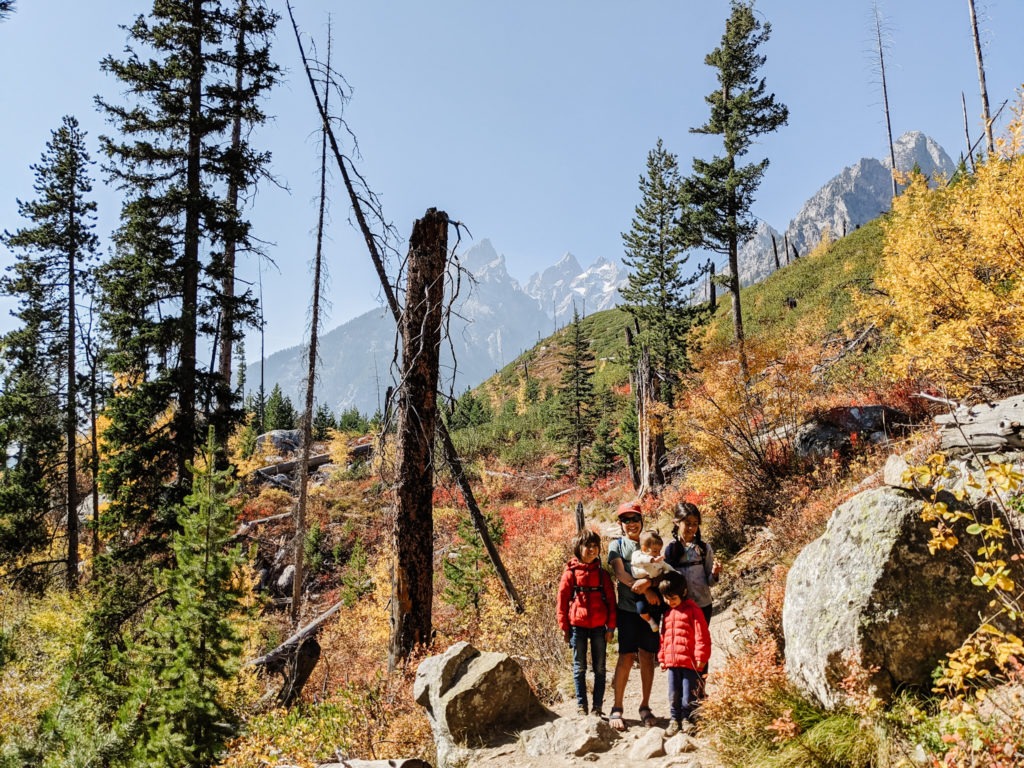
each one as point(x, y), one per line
point(584, 537)
point(650, 537)
point(673, 584)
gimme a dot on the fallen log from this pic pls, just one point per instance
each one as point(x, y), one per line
point(284, 467)
point(983, 428)
point(289, 645)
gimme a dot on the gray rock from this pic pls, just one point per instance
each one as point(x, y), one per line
point(471, 696)
point(285, 580)
point(893, 471)
point(569, 737)
point(680, 744)
point(279, 441)
point(816, 440)
point(411, 762)
point(868, 593)
point(650, 745)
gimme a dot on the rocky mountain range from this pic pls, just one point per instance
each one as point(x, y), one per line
point(495, 318)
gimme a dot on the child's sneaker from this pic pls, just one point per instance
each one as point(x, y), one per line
point(654, 624)
point(581, 711)
point(597, 713)
point(673, 728)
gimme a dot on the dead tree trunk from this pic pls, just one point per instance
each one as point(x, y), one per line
point(306, 442)
point(885, 95)
point(967, 131)
point(412, 580)
point(649, 433)
point(990, 145)
point(358, 203)
point(775, 252)
point(712, 288)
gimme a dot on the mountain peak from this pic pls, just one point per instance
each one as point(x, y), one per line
point(915, 148)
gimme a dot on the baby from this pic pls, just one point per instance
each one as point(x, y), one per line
point(648, 563)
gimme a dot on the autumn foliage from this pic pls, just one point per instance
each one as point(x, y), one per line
point(950, 283)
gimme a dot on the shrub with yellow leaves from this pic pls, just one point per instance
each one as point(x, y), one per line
point(989, 663)
point(951, 283)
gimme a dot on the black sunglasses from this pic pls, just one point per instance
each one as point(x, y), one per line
point(631, 519)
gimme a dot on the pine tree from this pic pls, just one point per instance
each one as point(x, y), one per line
point(657, 293)
point(466, 566)
point(721, 191)
point(191, 645)
point(323, 423)
point(575, 415)
point(168, 281)
point(6, 8)
point(40, 388)
point(279, 412)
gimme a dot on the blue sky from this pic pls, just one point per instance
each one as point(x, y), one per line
point(529, 122)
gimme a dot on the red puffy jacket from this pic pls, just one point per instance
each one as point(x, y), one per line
point(586, 597)
point(685, 639)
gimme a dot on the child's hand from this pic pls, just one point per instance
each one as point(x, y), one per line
point(566, 634)
point(609, 635)
point(657, 558)
point(640, 585)
point(716, 568)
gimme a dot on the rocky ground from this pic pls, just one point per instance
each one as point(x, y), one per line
point(637, 747)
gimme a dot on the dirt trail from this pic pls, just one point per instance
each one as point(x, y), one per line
point(509, 756)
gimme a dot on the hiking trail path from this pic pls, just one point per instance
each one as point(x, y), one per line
point(723, 643)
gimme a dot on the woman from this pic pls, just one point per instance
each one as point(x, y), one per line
point(636, 638)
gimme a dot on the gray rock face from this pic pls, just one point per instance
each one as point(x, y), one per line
point(863, 190)
point(279, 441)
point(868, 593)
point(568, 737)
point(469, 696)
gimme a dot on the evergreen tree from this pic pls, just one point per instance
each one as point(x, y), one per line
point(191, 645)
point(468, 410)
point(574, 413)
point(323, 423)
point(466, 566)
point(165, 286)
point(721, 191)
point(351, 420)
point(279, 412)
point(656, 253)
point(6, 8)
point(41, 385)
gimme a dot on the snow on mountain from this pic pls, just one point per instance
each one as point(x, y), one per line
point(494, 318)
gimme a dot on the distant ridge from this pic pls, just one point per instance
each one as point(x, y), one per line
point(495, 318)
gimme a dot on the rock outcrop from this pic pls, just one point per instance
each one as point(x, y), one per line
point(470, 696)
point(868, 596)
point(568, 737)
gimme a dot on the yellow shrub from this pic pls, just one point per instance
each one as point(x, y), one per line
point(951, 277)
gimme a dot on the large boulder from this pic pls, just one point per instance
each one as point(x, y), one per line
point(472, 696)
point(279, 441)
point(867, 595)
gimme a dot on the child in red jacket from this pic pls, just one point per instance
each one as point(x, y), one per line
point(586, 614)
point(685, 649)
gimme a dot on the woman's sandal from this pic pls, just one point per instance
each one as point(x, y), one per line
point(615, 719)
point(647, 717)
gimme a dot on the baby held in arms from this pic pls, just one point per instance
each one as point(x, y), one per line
point(647, 562)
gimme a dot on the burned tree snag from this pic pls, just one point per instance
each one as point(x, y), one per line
point(650, 434)
point(412, 576)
